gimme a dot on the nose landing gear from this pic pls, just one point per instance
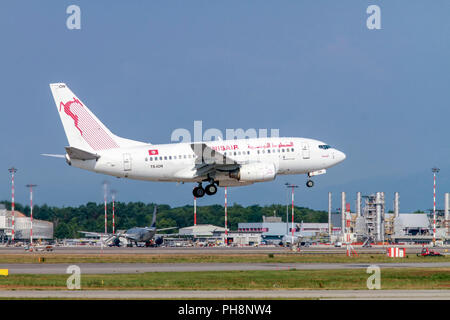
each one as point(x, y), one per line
point(309, 183)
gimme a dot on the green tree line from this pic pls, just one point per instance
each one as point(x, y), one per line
point(67, 221)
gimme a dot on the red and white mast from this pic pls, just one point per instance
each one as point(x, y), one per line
point(434, 170)
point(113, 211)
point(226, 218)
point(195, 210)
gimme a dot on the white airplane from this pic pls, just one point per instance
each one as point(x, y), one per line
point(218, 163)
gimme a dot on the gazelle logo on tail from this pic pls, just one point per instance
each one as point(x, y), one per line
point(70, 113)
point(83, 129)
point(90, 130)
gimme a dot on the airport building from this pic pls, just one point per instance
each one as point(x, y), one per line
point(273, 229)
point(42, 230)
point(203, 233)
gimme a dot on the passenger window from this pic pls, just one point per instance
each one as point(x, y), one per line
point(287, 150)
point(185, 156)
point(278, 150)
point(282, 150)
point(170, 157)
point(151, 158)
point(165, 157)
point(292, 149)
point(160, 158)
point(268, 150)
point(146, 159)
point(257, 151)
point(248, 152)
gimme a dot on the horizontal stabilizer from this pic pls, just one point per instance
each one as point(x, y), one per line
point(54, 155)
point(79, 154)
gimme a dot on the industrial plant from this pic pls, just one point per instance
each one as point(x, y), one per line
point(370, 223)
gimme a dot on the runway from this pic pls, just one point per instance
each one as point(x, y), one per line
point(232, 294)
point(322, 249)
point(116, 268)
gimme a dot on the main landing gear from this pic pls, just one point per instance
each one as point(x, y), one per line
point(210, 190)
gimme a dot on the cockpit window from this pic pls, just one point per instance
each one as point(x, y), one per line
point(324, 146)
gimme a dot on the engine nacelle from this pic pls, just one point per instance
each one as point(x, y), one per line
point(255, 172)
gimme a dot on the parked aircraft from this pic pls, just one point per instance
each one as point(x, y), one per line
point(136, 234)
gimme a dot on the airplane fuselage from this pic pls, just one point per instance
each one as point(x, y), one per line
point(177, 162)
point(237, 162)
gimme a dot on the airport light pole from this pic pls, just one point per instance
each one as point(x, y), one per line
point(434, 170)
point(113, 194)
point(31, 186)
point(105, 187)
point(12, 171)
point(226, 218)
point(292, 224)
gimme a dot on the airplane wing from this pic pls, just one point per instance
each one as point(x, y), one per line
point(75, 153)
point(164, 229)
point(63, 156)
point(128, 236)
point(92, 234)
point(209, 160)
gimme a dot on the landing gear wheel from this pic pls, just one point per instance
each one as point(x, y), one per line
point(211, 189)
point(198, 192)
point(309, 183)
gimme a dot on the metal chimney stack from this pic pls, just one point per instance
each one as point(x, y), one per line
point(343, 213)
point(378, 206)
point(358, 204)
point(396, 205)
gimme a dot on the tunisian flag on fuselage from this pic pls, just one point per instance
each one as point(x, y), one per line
point(153, 152)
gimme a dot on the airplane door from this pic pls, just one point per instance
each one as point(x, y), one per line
point(305, 150)
point(126, 162)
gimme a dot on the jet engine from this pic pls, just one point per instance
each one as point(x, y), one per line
point(256, 172)
point(159, 241)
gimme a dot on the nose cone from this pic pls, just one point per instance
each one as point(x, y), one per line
point(339, 156)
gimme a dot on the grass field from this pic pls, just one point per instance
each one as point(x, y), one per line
point(211, 258)
point(405, 278)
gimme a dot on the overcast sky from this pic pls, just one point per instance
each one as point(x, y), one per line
point(308, 68)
